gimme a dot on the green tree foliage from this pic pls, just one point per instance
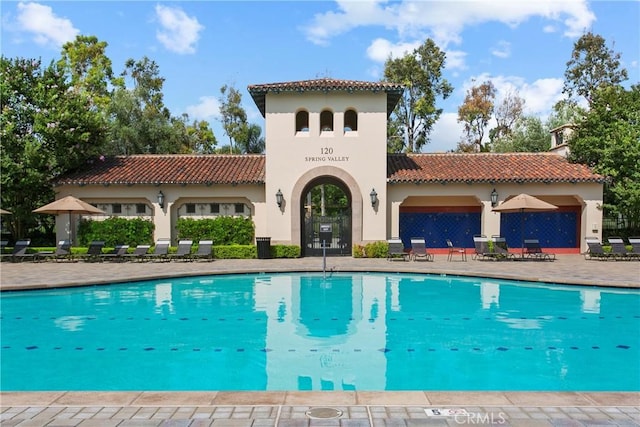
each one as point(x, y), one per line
point(475, 113)
point(420, 72)
point(592, 65)
point(608, 141)
point(234, 117)
point(140, 123)
point(89, 69)
point(46, 129)
point(529, 135)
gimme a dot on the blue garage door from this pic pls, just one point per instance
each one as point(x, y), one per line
point(556, 229)
point(437, 226)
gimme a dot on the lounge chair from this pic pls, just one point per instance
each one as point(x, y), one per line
point(456, 250)
point(501, 249)
point(533, 250)
point(620, 249)
point(94, 251)
point(419, 249)
point(596, 251)
point(635, 245)
point(20, 251)
point(138, 253)
point(117, 254)
point(3, 245)
point(61, 253)
point(396, 250)
point(482, 250)
point(160, 251)
point(184, 251)
point(204, 250)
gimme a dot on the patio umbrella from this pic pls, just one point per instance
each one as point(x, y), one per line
point(524, 203)
point(3, 212)
point(69, 205)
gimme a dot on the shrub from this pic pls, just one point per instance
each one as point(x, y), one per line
point(223, 230)
point(376, 250)
point(116, 230)
point(358, 251)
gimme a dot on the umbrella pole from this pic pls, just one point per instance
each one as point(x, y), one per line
point(522, 232)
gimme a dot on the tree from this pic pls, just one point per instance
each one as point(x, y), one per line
point(592, 66)
point(234, 118)
point(420, 72)
point(475, 112)
point(89, 69)
point(608, 141)
point(253, 141)
point(46, 129)
point(529, 135)
point(140, 122)
point(507, 115)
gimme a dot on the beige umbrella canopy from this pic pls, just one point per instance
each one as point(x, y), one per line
point(3, 212)
point(524, 203)
point(69, 205)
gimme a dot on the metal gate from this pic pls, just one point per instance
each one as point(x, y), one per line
point(340, 243)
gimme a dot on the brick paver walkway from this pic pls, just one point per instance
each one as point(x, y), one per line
point(299, 409)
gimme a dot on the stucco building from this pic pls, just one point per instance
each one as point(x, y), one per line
point(330, 133)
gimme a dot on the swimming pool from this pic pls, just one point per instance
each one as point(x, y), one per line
point(348, 331)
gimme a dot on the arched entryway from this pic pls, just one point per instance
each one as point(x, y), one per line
point(326, 217)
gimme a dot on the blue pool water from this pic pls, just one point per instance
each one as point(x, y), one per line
point(360, 331)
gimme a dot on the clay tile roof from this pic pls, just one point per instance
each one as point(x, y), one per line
point(171, 169)
point(486, 167)
point(259, 91)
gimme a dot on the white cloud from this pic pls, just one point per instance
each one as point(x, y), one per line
point(207, 109)
point(445, 134)
point(445, 20)
point(455, 60)
point(179, 32)
point(47, 28)
point(540, 96)
point(380, 49)
point(502, 49)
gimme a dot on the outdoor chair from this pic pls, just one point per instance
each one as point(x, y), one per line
point(20, 251)
point(620, 249)
point(94, 251)
point(396, 250)
point(532, 250)
point(596, 251)
point(184, 251)
point(455, 250)
point(419, 249)
point(635, 245)
point(160, 251)
point(61, 253)
point(204, 250)
point(501, 249)
point(482, 250)
point(3, 245)
point(138, 253)
point(117, 254)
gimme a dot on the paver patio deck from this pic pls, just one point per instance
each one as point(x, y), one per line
point(289, 409)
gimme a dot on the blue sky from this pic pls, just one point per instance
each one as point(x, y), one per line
point(522, 46)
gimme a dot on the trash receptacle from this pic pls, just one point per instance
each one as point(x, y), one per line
point(264, 247)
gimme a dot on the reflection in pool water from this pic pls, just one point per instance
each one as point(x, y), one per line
point(357, 331)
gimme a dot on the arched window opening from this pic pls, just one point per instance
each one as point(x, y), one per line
point(350, 121)
point(302, 121)
point(326, 121)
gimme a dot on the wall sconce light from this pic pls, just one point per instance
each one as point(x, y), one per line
point(374, 197)
point(494, 198)
point(279, 198)
point(161, 199)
